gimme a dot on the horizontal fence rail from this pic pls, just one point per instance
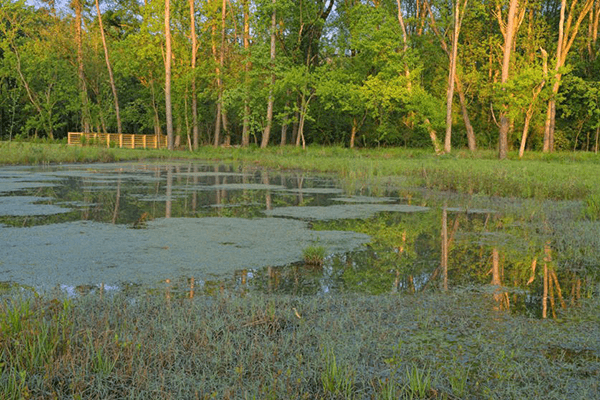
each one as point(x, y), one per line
point(130, 141)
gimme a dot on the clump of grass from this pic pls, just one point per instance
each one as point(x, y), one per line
point(314, 255)
point(591, 208)
point(337, 379)
point(418, 382)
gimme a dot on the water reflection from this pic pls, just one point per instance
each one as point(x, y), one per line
point(531, 257)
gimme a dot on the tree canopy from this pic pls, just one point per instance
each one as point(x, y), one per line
point(488, 73)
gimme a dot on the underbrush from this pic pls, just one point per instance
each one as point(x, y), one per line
point(437, 346)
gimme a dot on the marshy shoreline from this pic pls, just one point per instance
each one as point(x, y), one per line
point(452, 345)
point(455, 344)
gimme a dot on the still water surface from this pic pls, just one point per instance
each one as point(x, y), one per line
point(191, 227)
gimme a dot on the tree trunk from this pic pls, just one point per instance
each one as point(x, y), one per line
point(529, 113)
point(472, 143)
point(353, 134)
point(566, 37)
point(267, 131)
point(110, 73)
point(85, 120)
point(452, 77)
point(168, 107)
point(195, 133)
point(459, 89)
point(222, 65)
point(510, 30)
point(246, 123)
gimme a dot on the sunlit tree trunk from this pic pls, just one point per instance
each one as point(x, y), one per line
point(267, 131)
point(221, 116)
point(195, 133)
point(457, 81)
point(566, 36)
point(510, 31)
point(110, 72)
point(529, 114)
point(85, 113)
point(246, 123)
point(168, 55)
point(452, 74)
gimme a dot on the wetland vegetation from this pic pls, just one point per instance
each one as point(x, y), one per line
point(519, 317)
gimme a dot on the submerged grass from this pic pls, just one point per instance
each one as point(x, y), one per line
point(453, 345)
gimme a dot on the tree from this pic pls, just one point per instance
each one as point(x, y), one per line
point(194, 93)
point(509, 29)
point(77, 6)
point(566, 36)
point(168, 56)
point(109, 68)
point(458, 16)
point(267, 131)
point(454, 78)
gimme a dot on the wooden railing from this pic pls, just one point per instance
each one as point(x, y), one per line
point(130, 141)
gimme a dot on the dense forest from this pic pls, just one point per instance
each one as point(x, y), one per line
point(505, 74)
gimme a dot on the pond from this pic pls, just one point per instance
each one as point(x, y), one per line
point(190, 228)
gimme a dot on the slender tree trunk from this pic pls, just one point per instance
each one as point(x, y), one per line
point(85, 118)
point(472, 143)
point(246, 123)
point(217, 136)
point(195, 133)
point(33, 98)
point(529, 114)
point(284, 125)
point(110, 72)
point(510, 29)
point(566, 36)
point(168, 106)
point(551, 110)
point(459, 88)
point(222, 66)
point(267, 131)
point(452, 77)
point(353, 133)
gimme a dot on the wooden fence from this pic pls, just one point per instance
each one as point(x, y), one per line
point(129, 141)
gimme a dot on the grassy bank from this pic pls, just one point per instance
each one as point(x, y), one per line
point(560, 176)
point(24, 153)
point(443, 346)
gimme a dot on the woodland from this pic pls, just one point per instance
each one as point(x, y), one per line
point(508, 75)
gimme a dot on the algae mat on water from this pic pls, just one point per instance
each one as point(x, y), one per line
point(90, 253)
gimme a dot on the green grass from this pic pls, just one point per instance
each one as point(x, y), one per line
point(314, 255)
point(453, 345)
point(559, 176)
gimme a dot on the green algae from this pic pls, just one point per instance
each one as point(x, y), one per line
point(89, 253)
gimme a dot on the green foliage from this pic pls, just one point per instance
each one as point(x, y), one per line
point(591, 208)
point(418, 382)
point(314, 255)
point(337, 379)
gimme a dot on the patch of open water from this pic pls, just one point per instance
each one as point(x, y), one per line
point(197, 227)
